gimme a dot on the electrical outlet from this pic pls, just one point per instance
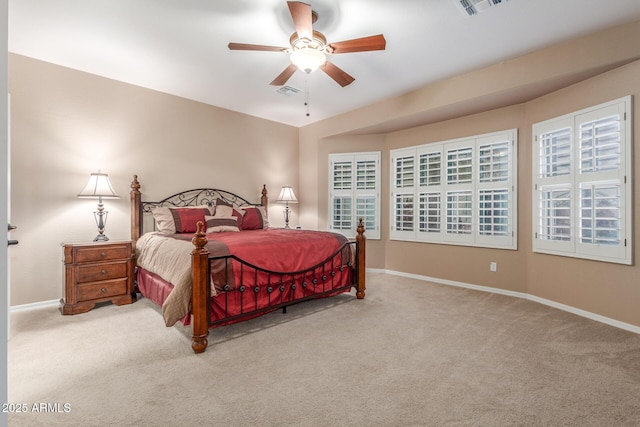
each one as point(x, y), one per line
point(493, 266)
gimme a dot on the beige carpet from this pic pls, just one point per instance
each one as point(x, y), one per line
point(410, 354)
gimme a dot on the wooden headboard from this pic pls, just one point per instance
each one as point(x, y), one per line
point(195, 197)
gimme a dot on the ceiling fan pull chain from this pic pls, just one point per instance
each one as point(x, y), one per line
point(306, 94)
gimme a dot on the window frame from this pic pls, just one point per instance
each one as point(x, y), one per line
point(575, 180)
point(454, 183)
point(354, 193)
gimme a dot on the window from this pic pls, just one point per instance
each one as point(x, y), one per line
point(456, 192)
point(582, 174)
point(354, 193)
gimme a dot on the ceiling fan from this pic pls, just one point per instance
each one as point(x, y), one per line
point(309, 48)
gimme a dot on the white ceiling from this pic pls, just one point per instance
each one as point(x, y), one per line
point(180, 46)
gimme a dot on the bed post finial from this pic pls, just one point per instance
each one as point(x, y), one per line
point(200, 237)
point(201, 290)
point(136, 210)
point(361, 241)
point(264, 199)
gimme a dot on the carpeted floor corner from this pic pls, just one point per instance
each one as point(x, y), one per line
point(410, 354)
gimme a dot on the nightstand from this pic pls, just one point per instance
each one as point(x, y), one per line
point(97, 272)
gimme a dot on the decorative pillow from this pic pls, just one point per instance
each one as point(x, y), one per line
point(254, 218)
point(220, 202)
point(224, 209)
point(179, 220)
point(217, 224)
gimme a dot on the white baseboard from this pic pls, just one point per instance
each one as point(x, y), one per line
point(589, 315)
point(33, 305)
point(577, 311)
point(583, 313)
point(457, 284)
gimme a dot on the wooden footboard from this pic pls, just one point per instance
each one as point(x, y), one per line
point(202, 284)
point(201, 291)
point(201, 276)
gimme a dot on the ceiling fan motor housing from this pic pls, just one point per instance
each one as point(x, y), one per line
point(318, 42)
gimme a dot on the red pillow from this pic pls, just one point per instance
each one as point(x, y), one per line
point(252, 219)
point(186, 220)
point(240, 218)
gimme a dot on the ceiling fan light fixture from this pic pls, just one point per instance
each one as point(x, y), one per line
point(309, 48)
point(308, 59)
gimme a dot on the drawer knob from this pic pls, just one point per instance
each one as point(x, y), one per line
point(103, 254)
point(103, 290)
point(104, 272)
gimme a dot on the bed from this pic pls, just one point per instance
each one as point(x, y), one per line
point(209, 258)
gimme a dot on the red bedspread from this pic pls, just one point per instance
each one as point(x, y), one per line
point(300, 263)
point(275, 250)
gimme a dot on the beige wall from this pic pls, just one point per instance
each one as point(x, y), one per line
point(513, 94)
point(611, 290)
point(351, 144)
point(66, 124)
point(457, 263)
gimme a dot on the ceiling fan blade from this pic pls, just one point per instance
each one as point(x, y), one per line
point(337, 74)
point(245, 46)
point(302, 19)
point(362, 44)
point(284, 76)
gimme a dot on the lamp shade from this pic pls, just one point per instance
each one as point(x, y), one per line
point(287, 195)
point(98, 186)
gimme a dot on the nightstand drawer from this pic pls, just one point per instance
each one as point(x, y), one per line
point(106, 271)
point(110, 288)
point(95, 273)
point(104, 253)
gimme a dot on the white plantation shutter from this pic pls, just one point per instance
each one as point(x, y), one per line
point(555, 152)
point(430, 208)
point(600, 144)
point(366, 174)
point(496, 190)
point(430, 212)
point(342, 218)
point(459, 212)
point(460, 165)
point(342, 175)
point(458, 192)
point(367, 209)
point(582, 174)
point(494, 163)
point(354, 193)
point(403, 194)
point(494, 212)
point(600, 214)
point(404, 212)
point(430, 168)
point(554, 211)
point(405, 171)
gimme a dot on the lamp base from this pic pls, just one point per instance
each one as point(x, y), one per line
point(101, 219)
point(287, 214)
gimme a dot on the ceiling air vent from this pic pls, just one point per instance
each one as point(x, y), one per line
point(474, 7)
point(288, 90)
